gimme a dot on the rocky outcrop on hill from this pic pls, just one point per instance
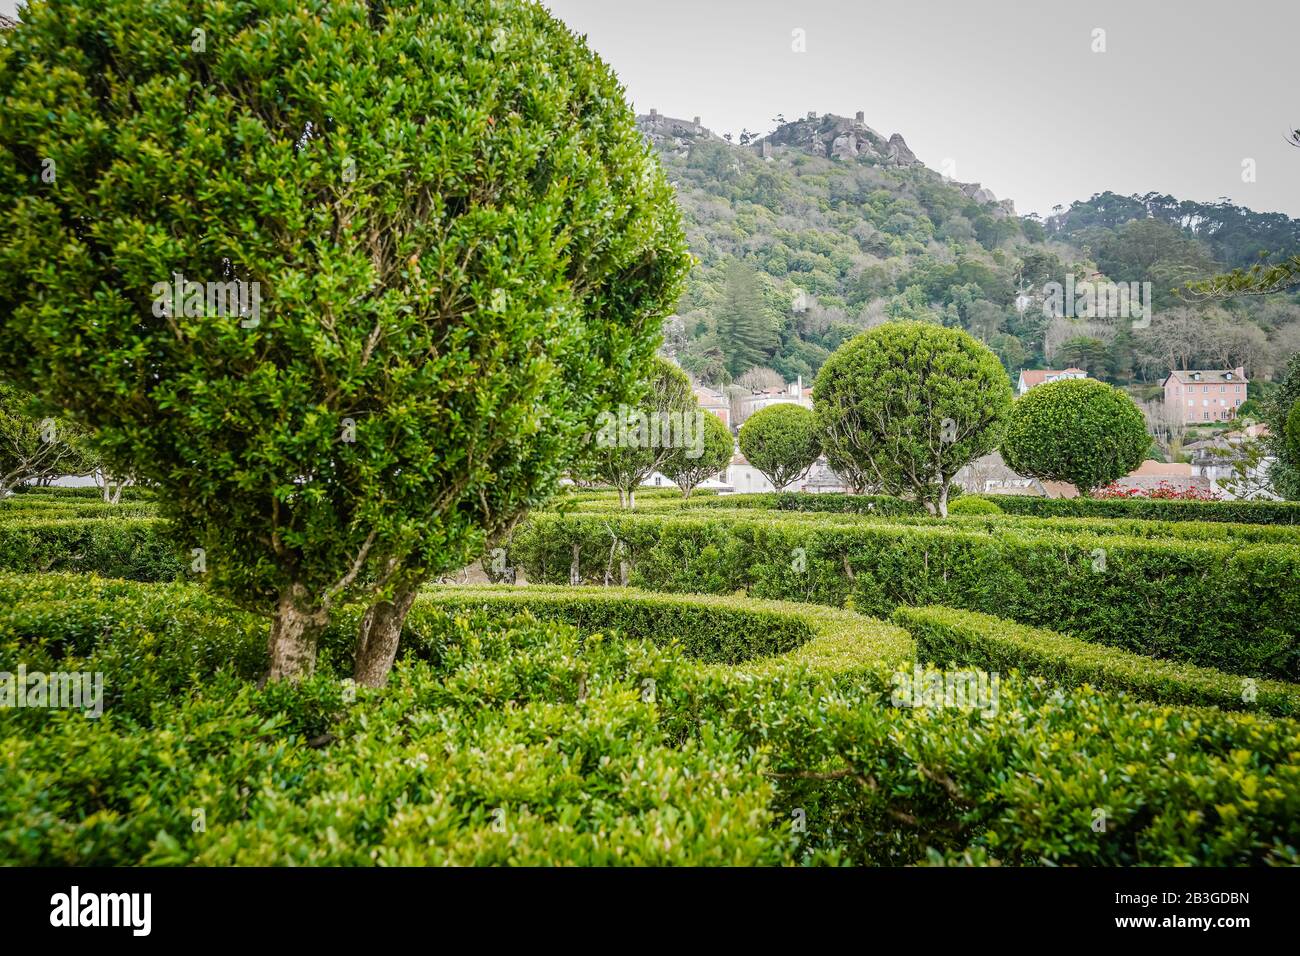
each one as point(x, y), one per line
point(840, 138)
point(837, 138)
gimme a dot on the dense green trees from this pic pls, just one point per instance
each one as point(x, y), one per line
point(904, 406)
point(781, 441)
point(860, 239)
point(688, 466)
point(416, 248)
point(1077, 430)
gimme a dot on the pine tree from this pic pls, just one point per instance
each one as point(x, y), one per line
point(746, 326)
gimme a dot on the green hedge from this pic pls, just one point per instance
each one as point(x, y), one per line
point(133, 548)
point(832, 503)
point(1216, 604)
point(712, 629)
point(1244, 512)
point(25, 507)
point(1021, 525)
point(947, 636)
point(131, 493)
point(516, 741)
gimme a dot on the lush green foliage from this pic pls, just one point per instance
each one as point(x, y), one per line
point(535, 743)
point(461, 244)
point(1215, 603)
point(1076, 430)
point(949, 637)
point(134, 548)
point(903, 407)
point(782, 441)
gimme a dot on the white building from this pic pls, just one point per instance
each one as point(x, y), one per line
point(1041, 376)
point(793, 393)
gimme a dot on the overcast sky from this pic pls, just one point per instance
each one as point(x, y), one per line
point(1009, 91)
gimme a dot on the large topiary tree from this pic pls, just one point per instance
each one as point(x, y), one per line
point(1077, 430)
point(347, 281)
point(633, 441)
point(687, 466)
point(782, 442)
point(904, 406)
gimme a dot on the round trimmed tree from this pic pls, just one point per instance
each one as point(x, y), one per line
point(1077, 430)
point(347, 282)
point(902, 407)
point(782, 442)
point(633, 441)
point(688, 466)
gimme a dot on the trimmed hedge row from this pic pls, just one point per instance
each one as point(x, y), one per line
point(533, 743)
point(974, 512)
point(947, 636)
point(762, 635)
point(33, 507)
point(131, 493)
point(134, 548)
point(995, 523)
point(833, 503)
point(1215, 604)
point(1151, 509)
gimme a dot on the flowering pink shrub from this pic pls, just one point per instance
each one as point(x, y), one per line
point(1163, 491)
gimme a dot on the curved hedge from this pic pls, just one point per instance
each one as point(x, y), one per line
point(1215, 604)
point(1152, 509)
point(712, 629)
point(947, 636)
point(531, 743)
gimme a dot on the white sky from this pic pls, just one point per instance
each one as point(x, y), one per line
point(1008, 90)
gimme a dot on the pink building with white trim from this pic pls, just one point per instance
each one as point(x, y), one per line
point(1196, 396)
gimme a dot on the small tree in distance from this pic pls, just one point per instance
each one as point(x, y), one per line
point(1077, 430)
point(782, 442)
point(685, 471)
point(904, 406)
point(36, 449)
point(633, 442)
